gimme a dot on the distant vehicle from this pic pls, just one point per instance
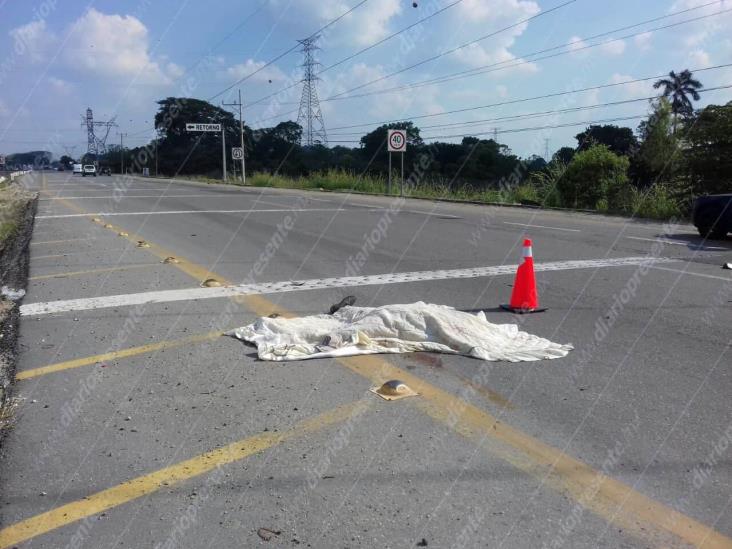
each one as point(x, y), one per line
point(78, 169)
point(712, 215)
point(106, 171)
point(89, 169)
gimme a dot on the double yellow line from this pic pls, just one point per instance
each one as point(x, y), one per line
point(608, 498)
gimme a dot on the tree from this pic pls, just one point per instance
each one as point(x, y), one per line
point(708, 153)
point(564, 155)
point(618, 140)
point(679, 87)
point(596, 178)
point(66, 161)
point(373, 144)
point(181, 151)
point(657, 156)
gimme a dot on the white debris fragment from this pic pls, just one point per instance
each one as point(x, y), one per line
point(11, 294)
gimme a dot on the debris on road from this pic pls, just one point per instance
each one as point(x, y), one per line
point(395, 329)
point(171, 259)
point(393, 390)
point(123, 233)
point(347, 301)
point(108, 226)
point(211, 283)
point(11, 294)
point(142, 244)
point(727, 266)
point(266, 534)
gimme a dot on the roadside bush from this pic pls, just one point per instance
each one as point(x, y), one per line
point(596, 178)
point(656, 202)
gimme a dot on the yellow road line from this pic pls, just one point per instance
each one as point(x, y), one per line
point(641, 516)
point(115, 355)
point(95, 271)
point(174, 474)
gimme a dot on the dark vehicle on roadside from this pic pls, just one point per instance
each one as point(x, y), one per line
point(712, 215)
point(106, 171)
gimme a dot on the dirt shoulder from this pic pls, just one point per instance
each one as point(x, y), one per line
point(17, 210)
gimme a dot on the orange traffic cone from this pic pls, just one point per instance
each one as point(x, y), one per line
point(525, 297)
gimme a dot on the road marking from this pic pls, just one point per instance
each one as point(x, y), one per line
point(605, 496)
point(286, 286)
point(95, 271)
point(168, 476)
point(116, 355)
point(691, 273)
point(63, 241)
point(179, 212)
point(678, 243)
point(543, 227)
point(111, 197)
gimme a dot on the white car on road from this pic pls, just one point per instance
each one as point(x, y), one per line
point(89, 169)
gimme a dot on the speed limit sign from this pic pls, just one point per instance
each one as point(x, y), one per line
point(237, 153)
point(397, 141)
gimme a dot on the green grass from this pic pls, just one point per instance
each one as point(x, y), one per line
point(656, 203)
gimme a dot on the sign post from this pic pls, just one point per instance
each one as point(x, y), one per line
point(397, 143)
point(198, 127)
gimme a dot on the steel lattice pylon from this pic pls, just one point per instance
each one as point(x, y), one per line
point(96, 146)
point(309, 116)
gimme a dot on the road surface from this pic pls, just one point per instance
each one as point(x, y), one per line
point(138, 425)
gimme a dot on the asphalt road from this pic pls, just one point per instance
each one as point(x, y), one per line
point(137, 425)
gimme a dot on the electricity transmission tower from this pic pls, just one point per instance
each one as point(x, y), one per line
point(309, 115)
point(96, 145)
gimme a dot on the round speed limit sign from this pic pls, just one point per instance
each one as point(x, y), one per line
point(397, 140)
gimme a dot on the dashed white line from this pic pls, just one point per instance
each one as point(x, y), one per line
point(543, 227)
point(178, 212)
point(678, 243)
point(165, 296)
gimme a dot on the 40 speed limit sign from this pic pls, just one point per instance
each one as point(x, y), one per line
point(397, 141)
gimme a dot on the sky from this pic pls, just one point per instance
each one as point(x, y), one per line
point(119, 57)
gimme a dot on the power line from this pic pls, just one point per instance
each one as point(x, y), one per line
point(480, 70)
point(293, 48)
point(348, 58)
point(497, 131)
point(367, 48)
point(521, 100)
point(540, 114)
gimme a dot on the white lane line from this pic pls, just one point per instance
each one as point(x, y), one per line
point(691, 273)
point(543, 227)
point(166, 296)
point(678, 243)
point(174, 212)
point(110, 197)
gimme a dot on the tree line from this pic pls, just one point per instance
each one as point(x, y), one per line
point(675, 154)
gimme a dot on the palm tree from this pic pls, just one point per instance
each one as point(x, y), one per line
point(679, 87)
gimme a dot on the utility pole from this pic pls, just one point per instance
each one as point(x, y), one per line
point(223, 148)
point(156, 157)
point(241, 137)
point(122, 152)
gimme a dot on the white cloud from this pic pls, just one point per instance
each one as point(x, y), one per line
point(502, 91)
point(700, 32)
point(114, 46)
point(4, 111)
point(60, 86)
point(365, 25)
point(33, 40)
point(700, 58)
point(480, 10)
point(614, 47)
point(632, 90)
point(269, 74)
point(643, 41)
point(576, 44)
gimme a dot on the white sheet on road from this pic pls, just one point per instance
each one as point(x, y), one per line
point(395, 329)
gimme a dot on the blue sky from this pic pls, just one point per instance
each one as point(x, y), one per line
point(119, 57)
